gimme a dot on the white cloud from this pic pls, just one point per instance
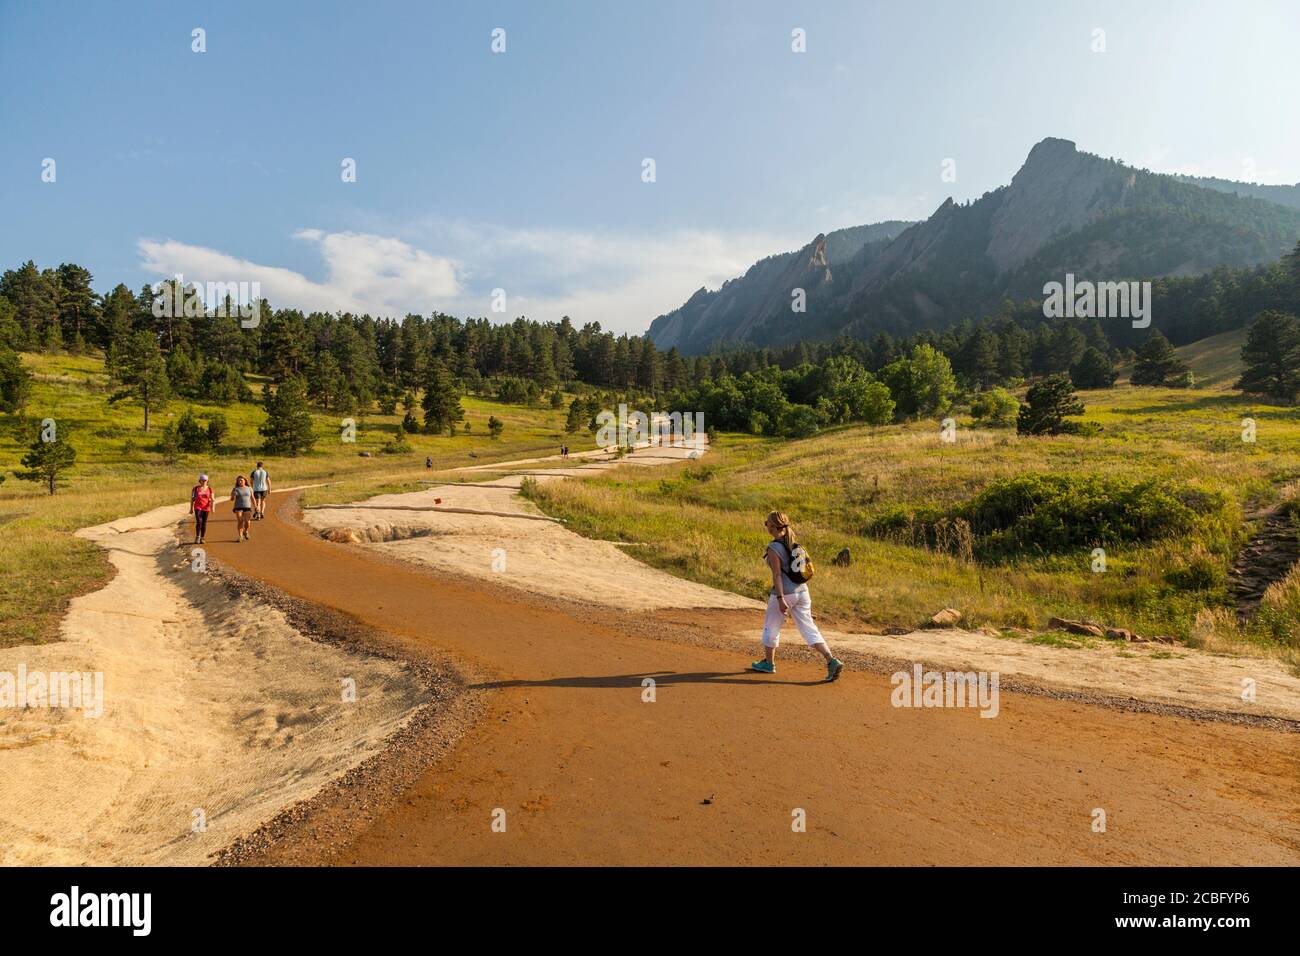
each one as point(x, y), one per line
point(621, 281)
point(363, 273)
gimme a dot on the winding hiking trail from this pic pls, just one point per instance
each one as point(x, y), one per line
point(714, 770)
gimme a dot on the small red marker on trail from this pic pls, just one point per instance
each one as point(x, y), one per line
point(437, 501)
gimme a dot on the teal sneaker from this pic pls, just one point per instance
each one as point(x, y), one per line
point(833, 668)
point(763, 667)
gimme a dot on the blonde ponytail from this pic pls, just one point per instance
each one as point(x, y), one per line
point(782, 521)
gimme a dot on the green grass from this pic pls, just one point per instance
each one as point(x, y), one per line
point(118, 473)
point(703, 520)
point(1216, 361)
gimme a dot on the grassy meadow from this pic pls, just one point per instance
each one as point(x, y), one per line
point(119, 472)
point(703, 520)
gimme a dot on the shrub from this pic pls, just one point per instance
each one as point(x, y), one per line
point(1057, 512)
point(799, 421)
point(996, 408)
point(1198, 570)
point(399, 445)
point(1054, 513)
point(191, 436)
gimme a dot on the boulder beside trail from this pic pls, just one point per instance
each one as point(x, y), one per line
point(1075, 627)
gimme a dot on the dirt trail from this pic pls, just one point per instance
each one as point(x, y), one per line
point(715, 770)
point(1266, 559)
point(486, 530)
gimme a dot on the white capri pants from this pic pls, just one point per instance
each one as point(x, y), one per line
point(800, 604)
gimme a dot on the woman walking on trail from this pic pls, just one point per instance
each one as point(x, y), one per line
point(241, 497)
point(201, 506)
point(261, 488)
point(788, 596)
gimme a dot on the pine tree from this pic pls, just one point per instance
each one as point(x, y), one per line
point(1271, 357)
point(138, 367)
point(15, 383)
point(1093, 370)
point(577, 416)
point(34, 295)
point(46, 460)
point(78, 304)
point(288, 426)
point(1292, 266)
point(979, 359)
point(441, 404)
point(1047, 405)
point(1157, 363)
point(115, 318)
point(495, 427)
point(326, 385)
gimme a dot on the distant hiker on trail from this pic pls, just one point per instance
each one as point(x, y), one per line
point(428, 463)
point(201, 507)
point(261, 488)
point(790, 572)
point(241, 497)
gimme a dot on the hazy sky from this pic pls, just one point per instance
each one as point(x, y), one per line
point(522, 170)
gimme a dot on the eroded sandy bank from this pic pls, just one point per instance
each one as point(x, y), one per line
point(216, 715)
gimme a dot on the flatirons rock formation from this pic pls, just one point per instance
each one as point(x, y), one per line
point(1063, 211)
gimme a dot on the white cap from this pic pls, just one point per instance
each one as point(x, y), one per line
point(203, 477)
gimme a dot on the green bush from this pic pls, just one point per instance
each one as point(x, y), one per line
point(398, 445)
point(996, 408)
point(1198, 571)
point(1055, 513)
point(1051, 513)
point(799, 421)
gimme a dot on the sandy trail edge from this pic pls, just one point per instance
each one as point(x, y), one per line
point(215, 708)
point(471, 533)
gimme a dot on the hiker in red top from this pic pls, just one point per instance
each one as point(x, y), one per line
point(201, 507)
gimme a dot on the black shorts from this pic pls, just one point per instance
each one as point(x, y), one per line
point(259, 495)
point(237, 510)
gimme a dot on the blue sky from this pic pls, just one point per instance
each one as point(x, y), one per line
point(522, 170)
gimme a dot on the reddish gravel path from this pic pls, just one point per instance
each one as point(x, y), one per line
point(589, 773)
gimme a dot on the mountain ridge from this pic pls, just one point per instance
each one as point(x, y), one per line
point(1064, 210)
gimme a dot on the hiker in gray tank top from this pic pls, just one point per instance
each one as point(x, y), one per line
point(789, 597)
point(241, 500)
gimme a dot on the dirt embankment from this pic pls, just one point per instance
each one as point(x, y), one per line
point(216, 713)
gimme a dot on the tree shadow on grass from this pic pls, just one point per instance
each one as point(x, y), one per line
point(661, 679)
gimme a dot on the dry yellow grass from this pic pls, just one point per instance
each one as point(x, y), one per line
point(118, 473)
point(704, 520)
